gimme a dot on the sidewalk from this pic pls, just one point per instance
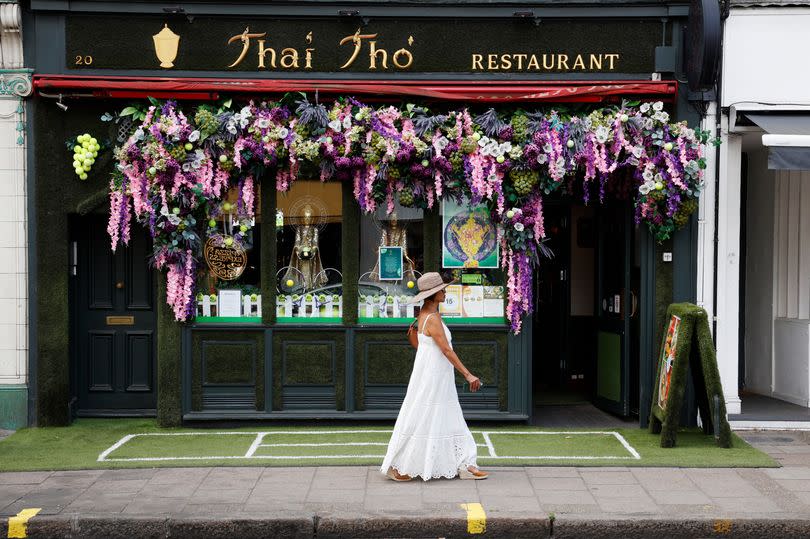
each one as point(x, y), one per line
point(359, 502)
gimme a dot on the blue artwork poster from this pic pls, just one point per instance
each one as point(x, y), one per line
point(469, 238)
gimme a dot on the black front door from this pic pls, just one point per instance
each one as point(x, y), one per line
point(114, 310)
point(614, 308)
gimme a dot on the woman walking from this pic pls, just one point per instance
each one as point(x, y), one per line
point(430, 438)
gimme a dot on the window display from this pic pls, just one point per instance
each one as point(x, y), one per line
point(310, 281)
point(228, 283)
point(391, 259)
point(471, 252)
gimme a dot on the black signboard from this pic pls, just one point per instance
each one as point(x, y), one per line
point(383, 47)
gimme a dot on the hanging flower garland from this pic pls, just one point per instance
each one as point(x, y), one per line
point(174, 172)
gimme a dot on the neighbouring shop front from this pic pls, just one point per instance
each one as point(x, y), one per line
point(294, 170)
point(764, 220)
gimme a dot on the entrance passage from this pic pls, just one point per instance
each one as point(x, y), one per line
point(585, 329)
point(113, 302)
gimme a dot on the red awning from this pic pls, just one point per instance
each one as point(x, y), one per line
point(487, 91)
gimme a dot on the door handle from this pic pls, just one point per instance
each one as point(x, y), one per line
point(633, 304)
point(119, 285)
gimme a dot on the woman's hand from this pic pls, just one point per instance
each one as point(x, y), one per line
point(474, 382)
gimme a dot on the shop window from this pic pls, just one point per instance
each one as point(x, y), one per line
point(229, 284)
point(308, 244)
point(471, 256)
point(391, 260)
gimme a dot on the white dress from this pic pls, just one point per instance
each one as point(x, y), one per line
point(430, 438)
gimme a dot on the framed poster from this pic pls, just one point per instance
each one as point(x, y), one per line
point(390, 263)
point(469, 238)
point(668, 361)
point(493, 301)
point(472, 301)
point(230, 303)
point(452, 301)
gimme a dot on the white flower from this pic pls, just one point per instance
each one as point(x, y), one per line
point(519, 226)
point(263, 123)
point(283, 132)
point(662, 117)
point(506, 147)
point(490, 149)
point(637, 151)
point(139, 134)
point(658, 106)
point(483, 141)
point(347, 122)
point(602, 133)
point(442, 142)
point(335, 125)
point(658, 178)
point(645, 107)
point(647, 175)
point(647, 123)
point(542, 158)
point(645, 188)
point(194, 136)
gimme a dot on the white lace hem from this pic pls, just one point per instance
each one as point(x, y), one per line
point(432, 457)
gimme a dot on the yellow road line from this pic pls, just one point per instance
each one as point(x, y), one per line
point(476, 518)
point(18, 525)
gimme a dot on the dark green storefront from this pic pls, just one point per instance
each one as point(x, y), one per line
point(100, 55)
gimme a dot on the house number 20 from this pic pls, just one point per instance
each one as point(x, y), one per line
point(83, 60)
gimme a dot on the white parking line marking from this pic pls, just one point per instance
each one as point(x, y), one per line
point(260, 437)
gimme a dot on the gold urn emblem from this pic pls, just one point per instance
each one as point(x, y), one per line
point(166, 44)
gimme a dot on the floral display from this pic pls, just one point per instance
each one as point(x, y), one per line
point(174, 172)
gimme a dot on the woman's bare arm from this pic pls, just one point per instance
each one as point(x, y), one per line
point(433, 328)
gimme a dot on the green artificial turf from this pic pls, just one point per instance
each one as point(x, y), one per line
point(79, 447)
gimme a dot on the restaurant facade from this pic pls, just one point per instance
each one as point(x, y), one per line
point(293, 303)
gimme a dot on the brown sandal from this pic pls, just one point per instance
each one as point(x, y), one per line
point(396, 476)
point(466, 473)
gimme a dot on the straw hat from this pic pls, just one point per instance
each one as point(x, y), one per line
point(429, 284)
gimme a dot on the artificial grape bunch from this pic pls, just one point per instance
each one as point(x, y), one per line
point(84, 154)
point(406, 197)
point(520, 128)
point(468, 145)
point(302, 130)
point(524, 180)
point(207, 122)
point(178, 152)
point(457, 161)
point(688, 207)
point(393, 173)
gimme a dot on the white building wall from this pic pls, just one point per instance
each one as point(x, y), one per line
point(15, 85)
point(765, 56)
point(13, 268)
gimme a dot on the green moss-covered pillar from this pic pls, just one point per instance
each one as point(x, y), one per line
point(169, 361)
point(350, 253)
point(433, 239)
point(53, 342)
point(268, 250)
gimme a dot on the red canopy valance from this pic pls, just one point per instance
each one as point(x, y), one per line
point(485, 91)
